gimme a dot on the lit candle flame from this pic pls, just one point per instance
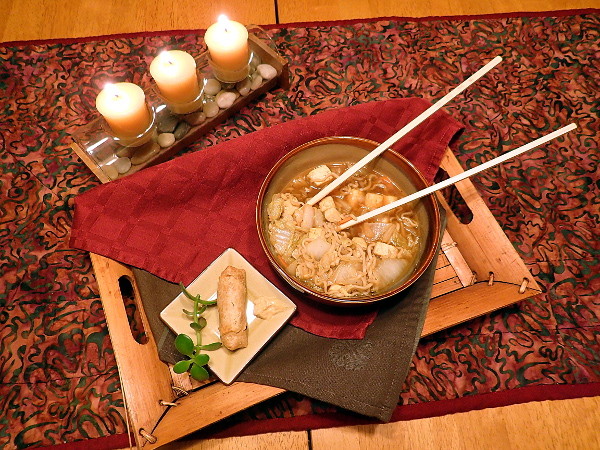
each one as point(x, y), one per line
point(113, 91)
point(166, 59)
point(223, 21)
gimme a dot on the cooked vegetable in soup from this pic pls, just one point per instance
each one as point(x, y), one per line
point(359, 261)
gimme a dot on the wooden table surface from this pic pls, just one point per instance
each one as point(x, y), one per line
point(566, 424)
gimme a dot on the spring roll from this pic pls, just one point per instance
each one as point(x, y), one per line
point(231, 305)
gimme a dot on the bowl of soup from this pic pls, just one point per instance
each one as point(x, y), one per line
point(365, 263)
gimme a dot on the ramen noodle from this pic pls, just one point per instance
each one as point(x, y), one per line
point(359, 261)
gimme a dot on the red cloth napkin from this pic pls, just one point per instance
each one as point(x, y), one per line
point(174, 219)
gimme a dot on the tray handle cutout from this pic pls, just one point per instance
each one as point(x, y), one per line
point(128, 295)
point(454, 199)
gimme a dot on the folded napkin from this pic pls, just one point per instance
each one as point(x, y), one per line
point(174, 219)
point(361, 375)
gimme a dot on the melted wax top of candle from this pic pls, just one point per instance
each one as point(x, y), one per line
point(118, 100)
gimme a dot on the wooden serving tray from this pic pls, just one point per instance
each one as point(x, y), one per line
point(478, 271)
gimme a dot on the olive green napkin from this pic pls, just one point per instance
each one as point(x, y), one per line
point(361, 375)
point(156, 294)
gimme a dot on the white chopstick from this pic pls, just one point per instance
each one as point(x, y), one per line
point(404, 130)
point(459, 177)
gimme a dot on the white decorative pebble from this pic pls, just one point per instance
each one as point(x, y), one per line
point(266, 71)
point(225, 99)
point(196, 118)
point(210, 109)
point(256, 82)
point(243, 87)
point(166, 139)
point(110, 171)
point(124, 151)
point(145, 152)
point(122, 165)
point(212, 86)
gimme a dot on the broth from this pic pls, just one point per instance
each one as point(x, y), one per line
point(360, 261)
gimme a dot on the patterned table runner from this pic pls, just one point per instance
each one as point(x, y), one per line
point(59, 381)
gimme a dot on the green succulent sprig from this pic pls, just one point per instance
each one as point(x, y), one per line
point(184, 344)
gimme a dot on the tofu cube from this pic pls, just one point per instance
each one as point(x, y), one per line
point(355, 198)
point(360, 242)
point(384, 250)
point(326, 203)
point(320, 175)
point(387, 199)
point(332, 215)
point(315, 233)
point(373, 201)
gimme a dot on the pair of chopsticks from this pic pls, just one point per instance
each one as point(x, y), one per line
point(409, 127)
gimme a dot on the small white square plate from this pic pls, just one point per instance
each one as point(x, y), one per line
point(224, 363)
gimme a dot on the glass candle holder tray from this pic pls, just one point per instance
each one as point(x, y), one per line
point(175, 128)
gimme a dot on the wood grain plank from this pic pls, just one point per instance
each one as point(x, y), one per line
point(291, 440)
point(318, 10)
point(48, 19)
point(559, 424)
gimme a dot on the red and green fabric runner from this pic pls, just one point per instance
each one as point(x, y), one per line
point(58, 380)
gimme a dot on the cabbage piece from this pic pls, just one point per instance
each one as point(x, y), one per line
point(275, 208)
point(377, 231)
point(319, 220)
point(389, 270)
point(347, 273)
point(280, 237)
point(291, 268)
point(405, 239)
point(307, 216)
point(318, 248)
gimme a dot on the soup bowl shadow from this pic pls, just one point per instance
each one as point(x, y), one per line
point(333, 150)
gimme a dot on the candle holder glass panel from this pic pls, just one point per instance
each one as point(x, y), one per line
point(108, 155)
point(228, 76)
point(180, 108)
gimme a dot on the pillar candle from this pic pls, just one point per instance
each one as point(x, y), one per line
point(175, 75)
point(124, 107)
point(227, 43)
